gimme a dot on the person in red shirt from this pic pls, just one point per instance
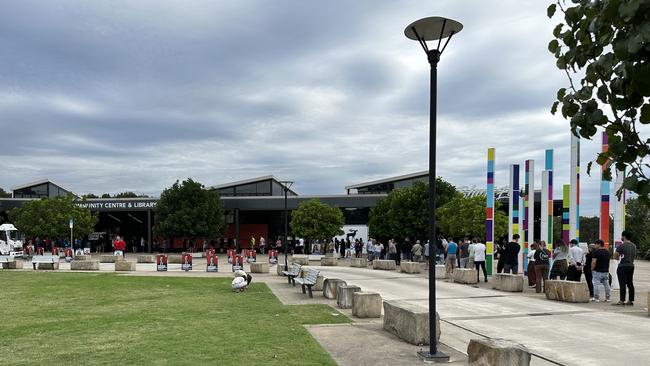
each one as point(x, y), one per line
point(118, 244)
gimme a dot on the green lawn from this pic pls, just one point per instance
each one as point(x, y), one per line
point(106, 319)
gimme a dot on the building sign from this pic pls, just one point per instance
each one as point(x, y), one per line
point(118, 205)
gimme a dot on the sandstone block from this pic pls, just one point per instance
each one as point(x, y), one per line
point(13, 265)
point(509, 282)
point(110, 258)
point(441, 272)
point(328, 261)
point(330, 287)
point(300, 259)
point(366, 305)
point(409, 267)
point(359, 262)
point(259, 267)
point(567, 291)
point(465, 275)
point(174, 259)
point(319, 283)
point(146, 259)
point(84, 265)
point(384, 264)
point(279, 268)
point(344, 295)
point(496, 351)
point(409, 321)
point(82, 257)
point(124, 266)
point(48, 266)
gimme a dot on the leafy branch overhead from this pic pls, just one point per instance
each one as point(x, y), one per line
point(605, 44)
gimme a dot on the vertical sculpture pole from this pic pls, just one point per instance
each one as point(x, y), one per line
point(546, 222)
point(489, 213)
point(619, 208)
point(566, 198)
point(522, 209)
point(513, 201)
point(529, 206)
point(574, 205)
point(604, 196)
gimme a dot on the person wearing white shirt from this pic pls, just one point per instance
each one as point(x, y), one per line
point(576, 260)
point(532, 280)
point(479, 260)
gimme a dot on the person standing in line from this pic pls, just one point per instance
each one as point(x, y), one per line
point(532, 280)
point(441, 243)
point(417, 251)
point(600, 269)
point(576, 260)
point(262, 245)
point(392, 250)
point(407, 248)
point(142, 245)
point(377, 247)
point(370, 250)
point(560, 265)
point(398, 255)
point(426, 255)
point(472, 253)
point(464, 253)
point(541, 257)
point(479, 259)
point(587, 270)
point(511, 256)
point(452, 250)
point(499, 255)
point(625, 271)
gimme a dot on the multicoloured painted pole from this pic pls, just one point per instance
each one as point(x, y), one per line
point(546, 213)
point(574, 205)
point(619, 208)
point(604, 196)
point(529, 207)
point(513, 201)
point(489, 213)
point(522, 209)
point(566, 198)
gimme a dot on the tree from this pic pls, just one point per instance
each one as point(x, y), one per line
point(637, 220)
point(50, 218)
point(4, 194)
point(607, 43)
point(316, 220)
point(106, 195)
point(129, 195)
point(405, 211)
point(465, 217)
point(89, 195)
point(188, 210)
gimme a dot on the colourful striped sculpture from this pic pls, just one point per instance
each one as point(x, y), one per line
point(566, 198)
point(619, 208)
point(513, 200)
point(546, 218)
point(574, 205)
point(604, 196)
point(489, 213)
point(529, 207)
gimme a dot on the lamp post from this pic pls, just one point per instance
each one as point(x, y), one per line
point(423, 30)
point(286, 184)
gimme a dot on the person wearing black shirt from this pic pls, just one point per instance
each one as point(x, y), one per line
point(541, 266)
point(600, 269)
point(587, 271)
point(500, 248)
point(510, 256)
point(625, 271)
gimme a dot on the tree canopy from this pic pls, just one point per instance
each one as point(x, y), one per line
point(4, 194)
point(637, 220)
point(465, 217)
point(50, 218)
point(606, 46)
point(316, 220)
point(188, 210)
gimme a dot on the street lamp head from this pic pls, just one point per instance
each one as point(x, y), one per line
point(431, 29)
point(286, 183)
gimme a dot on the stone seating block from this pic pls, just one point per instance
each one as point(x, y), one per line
point(174, 259)
point(330, 287)
point(124, 266)
point(344, 295)
point(441, 272)
point(82, 257)
point(409, 267)
point(48, 266)
point(328, 261)
point(496, 351)
point(86, 265)
point(567, 291)
point(146, 259)
point(384, 264)
point(509, 282)
point(279, 268)
point(300, 259)
point(366, 305)
point(13, 265)
point(408, 321)
point(110, 258)
point(359, 262)
point(319, 283)
point(261, 267)
point(465, 275)
point(648, 303)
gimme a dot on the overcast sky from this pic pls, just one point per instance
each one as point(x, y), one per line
point(111, 96)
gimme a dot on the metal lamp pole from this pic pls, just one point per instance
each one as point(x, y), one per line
point(286, 185)
point(429, 29)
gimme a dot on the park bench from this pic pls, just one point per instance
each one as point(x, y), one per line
point(50, 259)
point(292, 273)
point(308, 281)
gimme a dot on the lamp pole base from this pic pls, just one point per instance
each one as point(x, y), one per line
point(436, 357)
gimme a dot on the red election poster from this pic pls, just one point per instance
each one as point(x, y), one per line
point(186, 262)
point(161, 262)
point(237, 263)
point(212, 262)
point(208, 252)
point(273, 256)
point(68, 255)
point(231, 254)
point(55, 251)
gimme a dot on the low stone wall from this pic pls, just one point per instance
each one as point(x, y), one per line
point(508, 282)
point(146, 259)
point(319, 283)
point(48, 266)
point(300, 259)
point(566, 291)
point(174, 259)
point(496, 351)
point(384, 264)
point(13, 265)
point(409, 321)
point(84, 265)
point(465, 275)
point(409, 267)
point(441, 272)
point(366, 305)
point(344, 295)
point(328, 261)
point(82, 257)
point(330, 287)
point(124, 266)
point(359, 262)
point(110, 258)
point(261, 267)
